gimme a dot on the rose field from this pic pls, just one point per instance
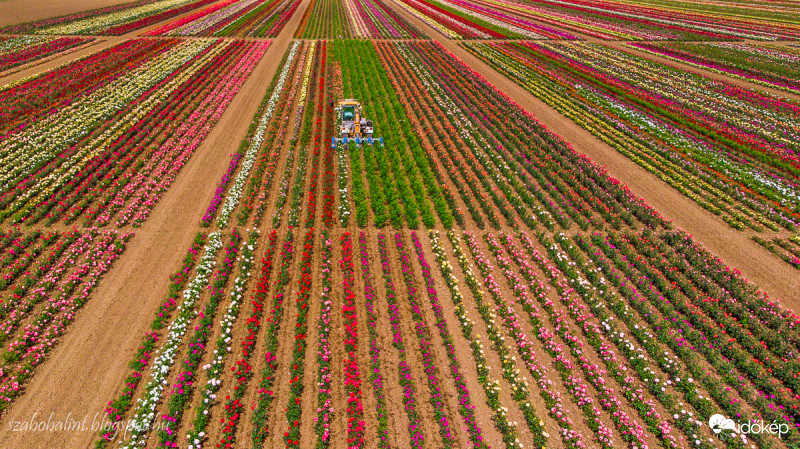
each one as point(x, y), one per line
point(577, 224)
point(16, 53)
point(233, 18)
point(355, 19)
point(114, 20)
point(659, 19)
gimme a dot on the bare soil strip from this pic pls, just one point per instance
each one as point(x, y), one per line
point(21, 11)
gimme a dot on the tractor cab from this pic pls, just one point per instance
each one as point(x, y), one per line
point(349, 113)
point(353, 126)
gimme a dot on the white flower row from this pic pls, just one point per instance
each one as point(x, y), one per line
point(344, 200)
point(165, 356)
point(104, 21)
point(198, 26)
point(49, 137)
point(47, 186)
point(249, 159)
point(287, 172)
point(214, 369)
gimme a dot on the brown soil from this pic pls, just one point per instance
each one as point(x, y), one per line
point(21, 11)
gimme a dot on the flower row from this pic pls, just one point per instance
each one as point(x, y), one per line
point(20, 52)
point(416, 433)
point(394, 180)
point(504, 172)
point(325, 410)
point(242, 369)
point(116, 136)
point(619, 20)
point(735, 159)
point(252, 142)
point(240, 18)
point(112, 21)
point(490, 385)
point(355, 19)
point(53, 275)
point(144, 411)
point(178, 280)
point(214, 371)
point(425, 339)
point(352, 374)
point(472, 20)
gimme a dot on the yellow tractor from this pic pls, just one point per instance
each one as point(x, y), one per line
point(353, 126)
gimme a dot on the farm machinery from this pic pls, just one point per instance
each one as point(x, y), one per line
point(354, 127)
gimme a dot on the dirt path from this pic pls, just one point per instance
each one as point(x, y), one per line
point(21, 11)
point(89, 365)
point(770, 274)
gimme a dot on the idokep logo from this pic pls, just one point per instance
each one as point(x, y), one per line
point(719, 423)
